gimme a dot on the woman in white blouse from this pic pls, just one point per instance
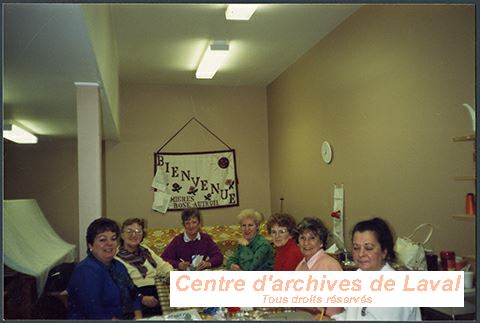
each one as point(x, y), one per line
point(373, 251)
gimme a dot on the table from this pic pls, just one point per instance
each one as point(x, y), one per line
point(288, 316)
point(196, 314)
point(467, 312)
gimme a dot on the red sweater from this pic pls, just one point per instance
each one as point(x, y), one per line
point(287, 257)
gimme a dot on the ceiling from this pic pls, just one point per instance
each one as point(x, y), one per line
point(47, 49)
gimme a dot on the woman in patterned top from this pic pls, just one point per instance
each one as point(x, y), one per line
point(142, 263)
point(254, 252)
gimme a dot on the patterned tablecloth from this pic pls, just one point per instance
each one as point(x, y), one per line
point(251, 314)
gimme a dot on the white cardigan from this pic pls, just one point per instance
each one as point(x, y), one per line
point(380, 313)
point(163, 267)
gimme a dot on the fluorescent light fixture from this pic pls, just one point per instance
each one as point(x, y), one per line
point(212, 59)
point(18, 135)
point(240, 11)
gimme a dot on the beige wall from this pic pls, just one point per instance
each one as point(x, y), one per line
point(151, 114)
point(46, 172)
point(98, 23)
point(386, 88)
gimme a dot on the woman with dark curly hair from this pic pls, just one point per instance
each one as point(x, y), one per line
point(100, 287)
point(311, 235)
point(287, 255)
point(373, 251)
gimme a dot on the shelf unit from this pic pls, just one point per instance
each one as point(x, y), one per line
point(470, 137)
point(465, 217)
point(464, 178)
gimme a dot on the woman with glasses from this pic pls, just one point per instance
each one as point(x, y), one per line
point(373, 243)
point(287, 255)
point(191, 245)
point(143, 264)
point(254, 252)
point(100, 287)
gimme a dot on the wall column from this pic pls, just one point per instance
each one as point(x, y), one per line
point(89, 137)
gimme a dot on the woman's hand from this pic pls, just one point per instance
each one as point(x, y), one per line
point(183, 265)
point(235, 267)
point(242, 241)
point(137, 314)
point(330, 311)
point(204, 265)
point(149, 301)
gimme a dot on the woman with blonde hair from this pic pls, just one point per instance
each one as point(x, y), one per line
point(254, 252)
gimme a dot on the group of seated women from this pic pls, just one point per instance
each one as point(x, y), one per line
point(117, 281)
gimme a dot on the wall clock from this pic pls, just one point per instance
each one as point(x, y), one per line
point(327, 153)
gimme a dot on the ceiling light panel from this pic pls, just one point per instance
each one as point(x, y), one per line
point(240, 11)
point(18, 135)
point(213, 58)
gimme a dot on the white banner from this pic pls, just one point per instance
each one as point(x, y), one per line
point(316, 289)
point(195, 180)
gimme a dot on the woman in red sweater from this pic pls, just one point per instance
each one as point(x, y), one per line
point(287, 253)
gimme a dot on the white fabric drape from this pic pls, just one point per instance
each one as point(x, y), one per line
point(31, 246)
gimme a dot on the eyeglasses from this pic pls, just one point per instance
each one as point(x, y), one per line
point(131, 232)
point(280, 231)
